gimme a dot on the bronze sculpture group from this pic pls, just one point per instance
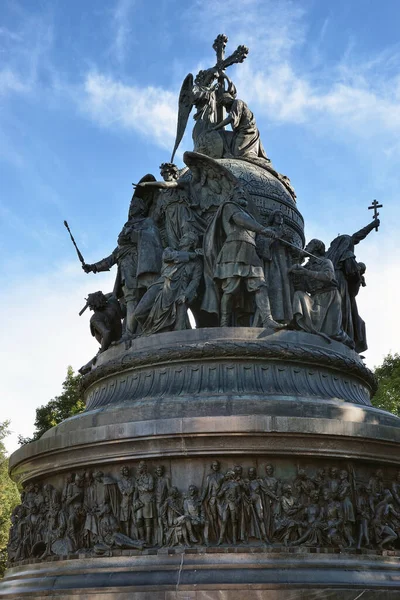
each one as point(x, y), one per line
point(196, 240)
point(318, 507)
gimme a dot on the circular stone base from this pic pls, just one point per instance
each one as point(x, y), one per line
point(247, 398)
point(211, 574)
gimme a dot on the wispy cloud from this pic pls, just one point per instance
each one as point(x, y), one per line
point(25, 52)
point(358, 94)
point(148, 110)
point(121, 29)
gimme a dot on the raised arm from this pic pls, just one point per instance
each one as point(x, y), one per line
point(159, 184)
point(102, 265)
point(360, 235)
point(247, 222)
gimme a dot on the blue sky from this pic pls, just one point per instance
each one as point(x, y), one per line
point(88, 102)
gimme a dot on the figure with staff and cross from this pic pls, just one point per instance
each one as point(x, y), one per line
point(350, 277)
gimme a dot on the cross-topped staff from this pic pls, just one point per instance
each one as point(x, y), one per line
point(375, 205)
point(237, 56)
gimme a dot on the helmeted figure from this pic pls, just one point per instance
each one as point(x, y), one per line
point(232, 265)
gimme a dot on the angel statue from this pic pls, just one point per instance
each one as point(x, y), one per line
point(203, 93)
point(172, 208)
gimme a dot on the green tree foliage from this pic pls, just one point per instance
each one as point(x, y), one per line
point(67, 404)
point(9, 498)
point(388, 375)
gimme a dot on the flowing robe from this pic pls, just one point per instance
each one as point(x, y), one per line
point(246, 136)
point(347, 273)
point(319, 311)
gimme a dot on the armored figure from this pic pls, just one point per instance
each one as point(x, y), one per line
point(105, 323)
point(232, 263)
point(278, 258)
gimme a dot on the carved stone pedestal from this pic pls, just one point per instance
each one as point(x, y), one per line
point(289, 405)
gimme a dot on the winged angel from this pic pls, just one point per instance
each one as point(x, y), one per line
point(203, 93)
